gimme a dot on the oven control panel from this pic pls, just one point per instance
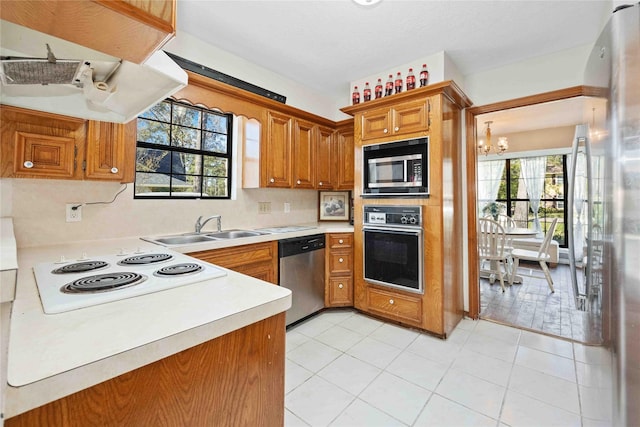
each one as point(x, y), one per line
point(393, 215)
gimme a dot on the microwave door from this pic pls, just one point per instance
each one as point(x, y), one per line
point(386, 172)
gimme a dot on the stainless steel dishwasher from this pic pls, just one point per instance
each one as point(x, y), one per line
point(302, 270)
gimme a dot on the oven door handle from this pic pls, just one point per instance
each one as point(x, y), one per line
point(394, 230)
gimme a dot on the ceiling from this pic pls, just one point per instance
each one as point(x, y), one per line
point(327, 44)
point(566, 112)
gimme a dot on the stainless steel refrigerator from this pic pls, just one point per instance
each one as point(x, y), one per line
point(612, 257)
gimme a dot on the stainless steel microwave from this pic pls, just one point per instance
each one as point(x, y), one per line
point(396, 168)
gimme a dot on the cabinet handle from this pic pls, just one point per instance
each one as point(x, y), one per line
point(320, 183)
point(272, 180)
point(385, 130)
point(298, 182)
point(391, 301)
point(341, 241)
point(114, 170)
point(28, 164)
point(341, 286)
point(396, 129)
point(340, 260)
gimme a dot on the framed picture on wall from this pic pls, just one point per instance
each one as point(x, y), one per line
point(334, 206)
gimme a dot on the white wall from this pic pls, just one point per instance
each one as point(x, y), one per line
point(299, 96)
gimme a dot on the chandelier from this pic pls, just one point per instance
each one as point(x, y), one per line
point(485, 147)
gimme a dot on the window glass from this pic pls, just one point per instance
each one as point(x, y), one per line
point(512, 195)
point(183, 151)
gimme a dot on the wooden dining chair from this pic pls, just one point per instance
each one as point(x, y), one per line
point(542, 256)
point(507, 223)
point(491, 248)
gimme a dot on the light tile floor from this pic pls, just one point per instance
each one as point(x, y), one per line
point(344, 368)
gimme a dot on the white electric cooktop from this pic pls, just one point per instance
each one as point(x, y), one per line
point(66, 285)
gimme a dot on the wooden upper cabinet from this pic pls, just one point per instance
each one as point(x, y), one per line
point(376, 123)
point(344, 158)
point(404, 119)
point(276, 152)
point(35, 144)
point(325, 158)
point(304, 155)
point(127, 29)
point(110, 148)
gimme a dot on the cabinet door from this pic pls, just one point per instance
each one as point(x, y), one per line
point(340, 292)
point(277, 151)
point(376, 124)
point(259, 260)
point(304, 155)
point(411, 117)
point(106, 151)
point(44, 155)
point(324, 158)
point(345, 163)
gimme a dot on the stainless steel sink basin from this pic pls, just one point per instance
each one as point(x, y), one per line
point(182, 240)
point(235, 234)
point(189, 238)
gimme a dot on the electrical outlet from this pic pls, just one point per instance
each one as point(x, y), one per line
point(74, 215)
point(264, 207)
point(287, 207)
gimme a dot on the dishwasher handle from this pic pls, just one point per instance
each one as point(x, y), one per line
point(299, 245)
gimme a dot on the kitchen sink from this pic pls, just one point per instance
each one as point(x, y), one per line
point(182, 240)
point(235, 234)
point(189, 238)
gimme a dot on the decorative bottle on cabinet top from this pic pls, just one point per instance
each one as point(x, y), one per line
point(424, 76)
point(355, 96)
point(388, 88)
point(378, 89)
point(398, 83)
point(411, 80)
point(367, 92)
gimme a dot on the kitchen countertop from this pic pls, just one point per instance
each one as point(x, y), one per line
point(51, 356)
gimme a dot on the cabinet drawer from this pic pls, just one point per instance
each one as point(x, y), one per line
point(395, 306)
point(340, 291)
point(339, 241)
point(340, 263)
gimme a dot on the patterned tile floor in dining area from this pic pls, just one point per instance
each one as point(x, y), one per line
point(532, 305)
point(344, 368)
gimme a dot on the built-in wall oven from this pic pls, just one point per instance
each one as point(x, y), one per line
point(392, 247)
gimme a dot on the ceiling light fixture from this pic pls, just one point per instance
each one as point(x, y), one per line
point(486, 147)
point(367, 2)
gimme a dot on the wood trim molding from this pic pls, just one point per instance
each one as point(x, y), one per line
point(252, 100)
point(540, 98)
point(448, 88)
point(472, 157)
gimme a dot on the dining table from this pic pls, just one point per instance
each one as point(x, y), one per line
point(510, 233)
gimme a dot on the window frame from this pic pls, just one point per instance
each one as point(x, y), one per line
point(171, 149)
point(510, 201)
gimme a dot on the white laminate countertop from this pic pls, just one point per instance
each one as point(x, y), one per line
point(51, 356)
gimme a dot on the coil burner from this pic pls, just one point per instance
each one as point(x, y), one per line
point(145, 259)
point(81, 267)
point(103, 282)
point(179, 270)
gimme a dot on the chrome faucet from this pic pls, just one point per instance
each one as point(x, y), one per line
point(200, 224)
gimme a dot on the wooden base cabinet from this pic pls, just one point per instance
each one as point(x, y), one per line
point(259, 260)
point(339, 270)
point(434, 111)
point(234, 380)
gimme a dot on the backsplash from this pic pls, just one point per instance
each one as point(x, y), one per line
point(38, 210)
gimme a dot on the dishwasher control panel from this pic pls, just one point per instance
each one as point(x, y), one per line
point(298, 245)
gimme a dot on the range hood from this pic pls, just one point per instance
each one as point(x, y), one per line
point(45, 73)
